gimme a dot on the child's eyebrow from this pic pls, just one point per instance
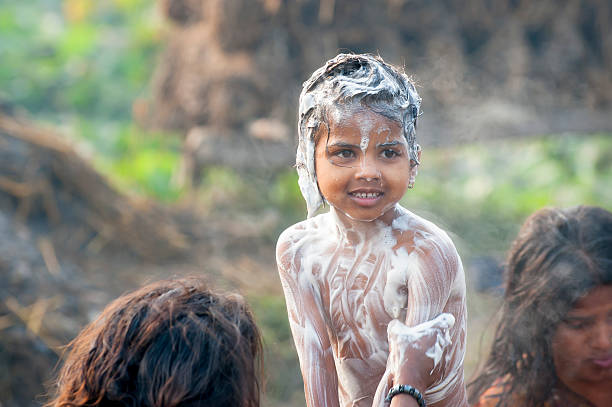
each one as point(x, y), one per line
point(390, 144)
point(342, 144)
point(577, 318)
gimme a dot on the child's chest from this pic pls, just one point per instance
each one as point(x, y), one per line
point(362, 290)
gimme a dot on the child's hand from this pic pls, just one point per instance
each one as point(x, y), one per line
point(414, 352)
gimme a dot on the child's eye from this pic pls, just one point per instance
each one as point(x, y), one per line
point(342, 156)
point(389, 153)
point(345, 154)
point(577, 325)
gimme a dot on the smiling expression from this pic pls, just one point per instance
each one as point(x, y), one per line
point(582, 344)
point(362, 163)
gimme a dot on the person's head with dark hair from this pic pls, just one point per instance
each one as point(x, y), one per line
point(170, 343)
point(554, 339)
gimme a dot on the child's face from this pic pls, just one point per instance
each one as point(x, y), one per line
point(582, 344)
point(363, 168)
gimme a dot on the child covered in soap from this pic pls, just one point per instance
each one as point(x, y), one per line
point(367, 265)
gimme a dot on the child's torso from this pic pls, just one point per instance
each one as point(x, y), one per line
point(363, 285)
point(353, 301)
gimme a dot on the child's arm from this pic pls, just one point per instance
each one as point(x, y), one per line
point(439, 286)
point(409, 361)
point(445, 268)
point(308, 329)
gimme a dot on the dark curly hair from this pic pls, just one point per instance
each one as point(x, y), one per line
point(171, 343)
point(557, 258)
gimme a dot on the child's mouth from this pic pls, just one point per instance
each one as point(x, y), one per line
point(605, 361)
point(366, 198)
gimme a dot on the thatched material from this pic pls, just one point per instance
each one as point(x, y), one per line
point(43, 175)
point(197, 83)
point(237, 24)
point(545, 55)
point(266, 149)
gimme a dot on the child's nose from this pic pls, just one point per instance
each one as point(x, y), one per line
point(368, 168)
point(601, 337)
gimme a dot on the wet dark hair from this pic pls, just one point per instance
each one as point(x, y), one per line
point(558, 257)
point(171, 343)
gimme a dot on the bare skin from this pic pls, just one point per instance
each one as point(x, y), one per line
point(335, 278)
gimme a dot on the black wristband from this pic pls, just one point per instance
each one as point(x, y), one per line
point(405, 388)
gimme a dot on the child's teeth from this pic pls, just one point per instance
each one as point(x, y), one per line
point(366, 195)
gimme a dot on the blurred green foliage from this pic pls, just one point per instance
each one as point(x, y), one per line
point(482, 192)
point(81, 64)
point(142, 161)
point(63, 58)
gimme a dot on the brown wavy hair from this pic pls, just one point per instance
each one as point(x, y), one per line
point(557, 258)
point(171, 343)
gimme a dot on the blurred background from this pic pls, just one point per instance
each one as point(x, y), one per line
point(141, 140)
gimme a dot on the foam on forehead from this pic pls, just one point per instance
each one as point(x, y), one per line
point(350, 78)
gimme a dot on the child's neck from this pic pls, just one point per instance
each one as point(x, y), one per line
point(358, 230)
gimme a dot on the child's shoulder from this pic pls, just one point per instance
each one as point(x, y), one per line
point(418, 231)
point(315, 225)
point(297, 238)
point(407, 220)
point(436, 251)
